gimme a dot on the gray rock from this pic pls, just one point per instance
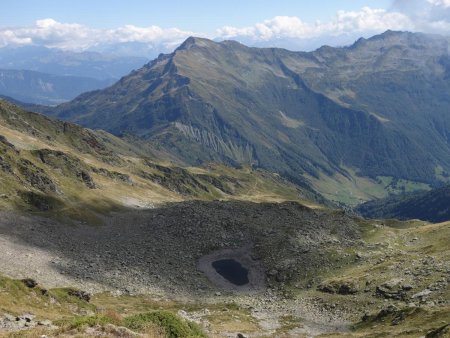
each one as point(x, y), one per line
point(30, 283)
point(341, 288)
point(45, 323)
point(9, 318)
point(407, 287)
point(421, 294)
point(28, 317)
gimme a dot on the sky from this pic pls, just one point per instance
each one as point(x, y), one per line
point(159, 26)
point(202, 16)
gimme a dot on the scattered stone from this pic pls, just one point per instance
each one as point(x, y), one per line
point(365, 317)
point(9, 318)
point(398, 318)
point(390, 309)
point(82, 295)
point(272, 272)
point(341, 288)
point(30, 283)
point(28, 317)
point(392, 289)
point(87, 179)
point(421, 294)
point(45, 323)
point(26, 321)
point(443, 331)
point(407, 287)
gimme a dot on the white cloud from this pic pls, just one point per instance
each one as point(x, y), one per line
point(345, 22)
point(9, 36)
point(279, 31)
point(368, 19)
point(432, 16)
point(440, 3)
point(279, 26)
point(54, 34)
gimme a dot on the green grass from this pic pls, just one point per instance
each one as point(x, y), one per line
point(81, 322)
point(419, 321)
point(172, 325)
point(16, 298)
point(398, 186)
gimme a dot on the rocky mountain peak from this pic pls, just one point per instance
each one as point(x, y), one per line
point(408, 40)
point(195, 41)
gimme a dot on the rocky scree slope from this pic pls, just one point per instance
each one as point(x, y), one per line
point(323, 270)
point(158, 249)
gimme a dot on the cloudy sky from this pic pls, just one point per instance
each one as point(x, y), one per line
point(160, 26)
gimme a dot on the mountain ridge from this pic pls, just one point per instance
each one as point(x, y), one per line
point(294, 113)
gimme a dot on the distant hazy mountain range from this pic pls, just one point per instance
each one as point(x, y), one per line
point(50, 76)
point(46, 89)
point(59, 62)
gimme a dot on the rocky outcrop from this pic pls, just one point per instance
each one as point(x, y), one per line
point(175, 179)
point(69, 165)
point(26, 321)
point(39, 201)
point(339, 287)
point(114, 175)
point(5, 166)
point(30, 283)
point(36, 176)
point(394, 289)
point(82, 295)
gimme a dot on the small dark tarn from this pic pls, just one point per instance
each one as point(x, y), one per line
point(232, 271)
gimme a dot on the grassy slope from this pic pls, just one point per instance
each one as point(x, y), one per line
point(352, 189)
point(62, 154)
point(393, 251)
point(73, 316)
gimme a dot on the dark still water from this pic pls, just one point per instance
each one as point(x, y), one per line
point(232, 271)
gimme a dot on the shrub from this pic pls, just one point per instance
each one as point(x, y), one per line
point(174, 326)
